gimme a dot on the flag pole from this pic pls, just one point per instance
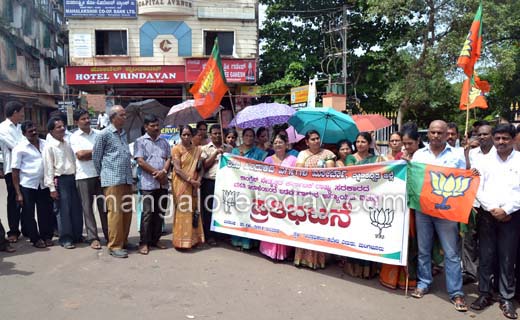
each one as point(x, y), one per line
point(467, 119)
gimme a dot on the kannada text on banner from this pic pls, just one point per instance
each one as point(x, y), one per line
point(357, 211)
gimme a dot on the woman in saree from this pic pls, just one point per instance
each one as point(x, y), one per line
point(392, 276)
point(249, 150)
point(356, 267)
point(279, 158)
point(344, 153)
point(395, 144)
point(313, 157)
point(187, 225)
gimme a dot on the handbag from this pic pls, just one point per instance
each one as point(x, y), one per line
point(195, 221)
point(198, 168)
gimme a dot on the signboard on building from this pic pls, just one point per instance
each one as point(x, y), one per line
point(236, 70)
point(81, 45)
point(125, 75)
point(100, 8)
point(166, 7)
point(299, 94)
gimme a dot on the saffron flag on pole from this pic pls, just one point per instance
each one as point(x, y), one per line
point(441, 192)
point(210, 86)
point(472, 46)
point(473, 90)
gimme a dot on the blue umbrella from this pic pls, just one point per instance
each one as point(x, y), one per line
point(333, 126)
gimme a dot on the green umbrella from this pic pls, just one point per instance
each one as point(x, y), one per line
point(333, 126)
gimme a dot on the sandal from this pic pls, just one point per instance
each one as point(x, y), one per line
point(12, 239)
point(508, 310)
point(95, 244)
point(482, 302)
point(418, 293)
point(144, 249)
point(8, 248)
point(49, 243)
point(460, 304)
point(40, 244)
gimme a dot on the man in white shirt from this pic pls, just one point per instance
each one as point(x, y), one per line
point(469, 237)
point(59, 169)
point(10, 135)
point(102, 121)
point(499, 221)
point(211, 154)
point(27, 168)
point(439, 153)
point(87, 179)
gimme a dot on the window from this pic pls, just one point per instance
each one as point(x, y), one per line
point(226, 41)
point(27, 21)
point(111, 42)
point(11, 55)
point(46, 37)
point(8, 11)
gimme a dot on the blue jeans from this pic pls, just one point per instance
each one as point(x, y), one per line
point(448, 232)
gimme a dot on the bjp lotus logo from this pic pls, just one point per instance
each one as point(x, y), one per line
point(381, 218)
point(448, 187)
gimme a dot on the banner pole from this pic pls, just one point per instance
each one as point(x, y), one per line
point(467, 120)
point(407, 281)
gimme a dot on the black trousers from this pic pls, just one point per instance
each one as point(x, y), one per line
point(207, 191)
point(469, 252)
point(3, 241)
point(14, 211)
point(498, 244)
point(41, 198)
point(154, 205)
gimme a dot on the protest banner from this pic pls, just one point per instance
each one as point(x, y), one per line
point(357, 211)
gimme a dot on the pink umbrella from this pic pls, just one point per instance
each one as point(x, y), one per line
point(293, 135)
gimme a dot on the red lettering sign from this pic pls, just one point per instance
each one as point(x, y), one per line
point(125, 75)
point(236, 70)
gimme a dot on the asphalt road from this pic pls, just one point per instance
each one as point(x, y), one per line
point(214, 283)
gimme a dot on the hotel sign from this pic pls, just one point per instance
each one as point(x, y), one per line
point(125, 75)
point(166, 7)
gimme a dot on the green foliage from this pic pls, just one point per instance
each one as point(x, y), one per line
point(409, 52)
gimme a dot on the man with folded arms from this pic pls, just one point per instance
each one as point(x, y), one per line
point(112, 159)
point(87, 178)
point(499, 220)
point(153, 156)
point(439, 153)
point(59, 169)
point(27, 168)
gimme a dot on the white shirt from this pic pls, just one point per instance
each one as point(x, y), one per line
point(67, 136)
point(449, 157)
point(80, 140)
point(58, 160)
point(29, 160)
point(476, 159)
point(103, 120)
point(500, 182)
point(10, 136)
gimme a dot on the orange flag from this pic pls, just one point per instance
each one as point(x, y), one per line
point(441, 192)
point(472, 46)
point(210, 86)
point(472, 96)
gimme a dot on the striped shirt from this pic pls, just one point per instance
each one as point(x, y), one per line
point(112, 158)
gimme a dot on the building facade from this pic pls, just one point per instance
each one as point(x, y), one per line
point(32, 56)
point(138, 49)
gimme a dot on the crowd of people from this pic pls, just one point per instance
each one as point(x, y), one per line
point(64, 175)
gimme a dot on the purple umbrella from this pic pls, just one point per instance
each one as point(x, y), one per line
point(262, 115)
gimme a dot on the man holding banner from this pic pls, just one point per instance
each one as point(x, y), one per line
point(439, 153)
point(499, 220)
